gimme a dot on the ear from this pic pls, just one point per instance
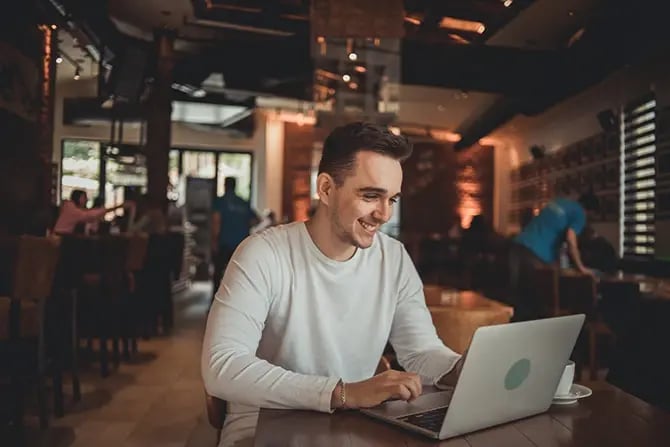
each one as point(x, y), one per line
point(324, 187)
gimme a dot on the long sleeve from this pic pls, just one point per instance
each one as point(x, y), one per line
point(413, 334)
point(230, 368)
point(71, 215)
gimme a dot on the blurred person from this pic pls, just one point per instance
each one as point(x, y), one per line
point(150, 217)
point(560, 222)
point(232, 220)
point(73, 212)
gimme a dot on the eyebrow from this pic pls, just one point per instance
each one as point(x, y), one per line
point(372, 189)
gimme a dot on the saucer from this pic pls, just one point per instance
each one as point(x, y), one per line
point(576, 392)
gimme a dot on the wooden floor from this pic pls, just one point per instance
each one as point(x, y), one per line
point(156, 400)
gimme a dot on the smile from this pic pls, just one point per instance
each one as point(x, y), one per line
point(368, 227)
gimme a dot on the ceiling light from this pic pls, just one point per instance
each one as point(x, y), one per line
point(353, 56)
point(59, 59)
point(445, 135)
point(462, 25)
point(360, 69)
point(76, 75)
point(53, 27)
point(458, 38)
point(413, 20)
point(353, 85)
point(507, 3)
point(346, 78)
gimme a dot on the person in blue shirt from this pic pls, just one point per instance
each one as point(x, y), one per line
point(540, 243)
point(232, 218)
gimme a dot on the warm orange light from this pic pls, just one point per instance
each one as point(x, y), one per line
point(487, 141)
point(462, 25)
point(412, 20)
point(458, 38)
point(445, 135)
point(360, 69)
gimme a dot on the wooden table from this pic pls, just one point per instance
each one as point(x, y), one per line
point(650, 287)
point(609, 418)
point(461, 313)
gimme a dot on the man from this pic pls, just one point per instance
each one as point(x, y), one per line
point(305, 310)
point(539, 243)
point(73, 212)
point(232, 218)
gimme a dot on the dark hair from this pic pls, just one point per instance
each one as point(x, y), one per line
point(77, 194)
point(230, 184)
point(344, 142)
point(589, 201)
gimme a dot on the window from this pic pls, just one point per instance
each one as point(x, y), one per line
point(80, 168)
point(638, 179)
point(236, 165)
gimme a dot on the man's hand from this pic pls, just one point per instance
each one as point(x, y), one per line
point(387, 385)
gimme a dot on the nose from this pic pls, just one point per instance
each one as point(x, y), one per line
point(383, 211)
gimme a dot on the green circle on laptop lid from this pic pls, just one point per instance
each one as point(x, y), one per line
point(517, 374)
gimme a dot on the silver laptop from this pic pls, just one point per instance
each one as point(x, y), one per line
point(511, 372)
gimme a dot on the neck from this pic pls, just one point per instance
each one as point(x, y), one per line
point(323, 234)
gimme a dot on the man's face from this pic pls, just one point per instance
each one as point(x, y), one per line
point(82, 201)
point(365, 200)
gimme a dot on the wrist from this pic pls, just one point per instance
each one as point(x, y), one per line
point(338, 398)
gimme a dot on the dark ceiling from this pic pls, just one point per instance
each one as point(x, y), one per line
point(264, 47)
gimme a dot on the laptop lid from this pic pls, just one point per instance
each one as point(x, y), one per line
point(511, 371)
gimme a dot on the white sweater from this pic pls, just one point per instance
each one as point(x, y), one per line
point(288, 322)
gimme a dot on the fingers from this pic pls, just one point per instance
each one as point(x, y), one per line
point(403, 385)
point(400, 391)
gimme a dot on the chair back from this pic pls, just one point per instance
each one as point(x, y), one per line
point(35, 267)
point(138, 244)
point(546, 283)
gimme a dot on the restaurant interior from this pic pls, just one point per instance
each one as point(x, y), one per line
point(509, 104)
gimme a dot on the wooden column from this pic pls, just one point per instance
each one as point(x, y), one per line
point(159, 112)
point(45, 118)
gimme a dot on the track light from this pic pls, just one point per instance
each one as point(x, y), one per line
point(59, 59)
point(76, 74)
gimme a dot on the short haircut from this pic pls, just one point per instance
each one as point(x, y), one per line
point(76, 194)
point(344, 142)
point(230, 184)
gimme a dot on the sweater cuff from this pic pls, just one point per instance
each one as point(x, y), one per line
point(326, 394)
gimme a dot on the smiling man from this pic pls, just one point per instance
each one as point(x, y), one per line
point(305, 310)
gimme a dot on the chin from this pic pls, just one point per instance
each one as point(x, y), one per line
point(363, 242)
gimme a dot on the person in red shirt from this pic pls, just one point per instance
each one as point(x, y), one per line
point(74, 212)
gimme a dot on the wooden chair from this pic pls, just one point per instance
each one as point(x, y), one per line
point(217, 408)
point(138, 244)
point(547, 284)
point(578, 294)
point(103, 289)
point(23, 313)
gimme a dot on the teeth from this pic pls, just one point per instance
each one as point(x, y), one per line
point(367, 226)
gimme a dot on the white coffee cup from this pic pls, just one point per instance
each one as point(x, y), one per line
point(567, 378)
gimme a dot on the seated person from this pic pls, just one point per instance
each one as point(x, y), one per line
point(74, 213)
point(305, 310)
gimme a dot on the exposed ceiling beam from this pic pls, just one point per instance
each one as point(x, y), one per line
point(622, 34)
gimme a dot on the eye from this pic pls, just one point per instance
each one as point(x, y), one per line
point(370, 197)
point(394, 200)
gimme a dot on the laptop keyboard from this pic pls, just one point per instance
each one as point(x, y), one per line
point(429, 420)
